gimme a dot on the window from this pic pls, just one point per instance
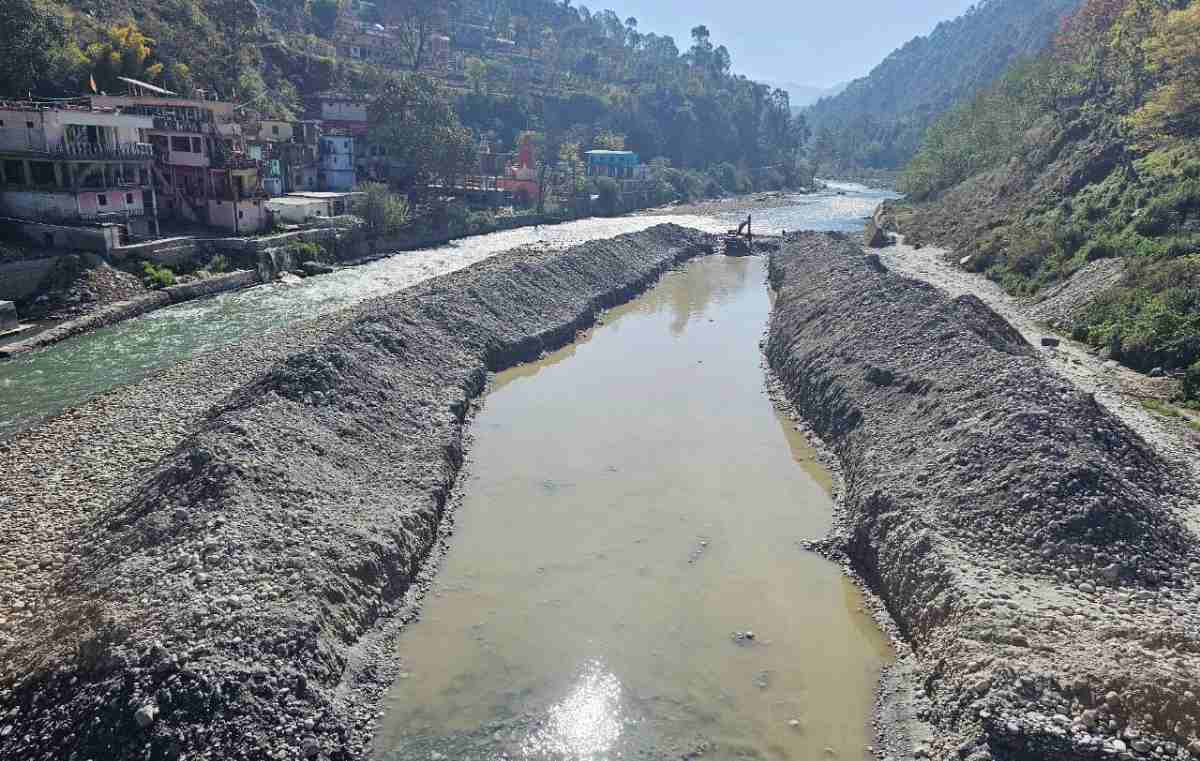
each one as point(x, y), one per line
point(181, 144)
point(241, 214)
point(28, 125)
point(196, 145)
point(274, 129)
point(129, 198)
point(102, 199)
point(1, 122)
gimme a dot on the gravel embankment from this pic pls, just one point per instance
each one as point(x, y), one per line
point(1033, 549)
point(212, 608)
point(1118, 389)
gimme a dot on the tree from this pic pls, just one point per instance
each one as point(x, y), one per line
point(1174, 107)
point(383, 212)
point(34, 35)
point(414, 120)
point(325, 15)
point(610, 141)
point(125, 52)
point(416, 21)
point(477, 73)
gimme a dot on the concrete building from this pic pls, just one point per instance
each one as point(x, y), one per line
point(298, 208)
point(621, 165)
point(336, 163)
point(275, 131)
point(76, 163)
point(341, 112)
point(203, 172)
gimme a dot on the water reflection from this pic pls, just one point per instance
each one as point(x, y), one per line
point(584, 725)
point(626, 513)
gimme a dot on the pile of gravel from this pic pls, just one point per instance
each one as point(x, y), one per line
point(218, 612)
point(1038, 556)
point(1064, 304)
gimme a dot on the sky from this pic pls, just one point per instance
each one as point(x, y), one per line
point(809, 42)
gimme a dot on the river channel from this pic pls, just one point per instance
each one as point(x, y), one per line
point(625, 579)
point(44, 383)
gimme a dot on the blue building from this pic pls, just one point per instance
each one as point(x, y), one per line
point(621, 165)
point(336, 162)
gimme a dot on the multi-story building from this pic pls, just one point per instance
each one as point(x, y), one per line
point(620, 165)
point(74, 163)
point(337, 169)
point(202, 170)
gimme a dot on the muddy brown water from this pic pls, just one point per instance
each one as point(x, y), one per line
point(634, 502)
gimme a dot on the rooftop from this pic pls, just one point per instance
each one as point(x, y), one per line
point(321, 195)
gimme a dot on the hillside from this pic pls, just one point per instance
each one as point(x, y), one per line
point(579, 79)
point(1082, 170)
point(878, 121)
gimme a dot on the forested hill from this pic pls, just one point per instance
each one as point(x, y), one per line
point(1083, 167)
point(579, 78)
point(878, 121)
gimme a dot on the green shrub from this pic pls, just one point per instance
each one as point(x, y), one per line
point(157, 277)
point(1191, 383)
point(481, 220)
point(305, 251)
point(609, 192)
point(218, 264)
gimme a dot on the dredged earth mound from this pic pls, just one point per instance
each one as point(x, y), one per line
point(219, 612)
point(1037, 555)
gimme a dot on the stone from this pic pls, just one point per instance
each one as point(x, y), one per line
point(316, 268)
point(146, 715)
point(874, 235)
point(1157, 372)
point(310, 747)
point(1050, 342)
point(8, 317)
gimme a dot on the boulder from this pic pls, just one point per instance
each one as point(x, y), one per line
point(1050, 342)
point(315, 268)
point(8, 317)
point(875, 236)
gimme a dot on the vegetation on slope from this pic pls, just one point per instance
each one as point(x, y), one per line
point(1088, 153)
point(595, 74)
point(879, 120)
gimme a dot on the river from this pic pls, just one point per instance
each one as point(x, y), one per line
point(44, 383)
point(626, 579)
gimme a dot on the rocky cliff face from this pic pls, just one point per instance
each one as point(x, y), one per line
point(222, 610)
point(1039, 557)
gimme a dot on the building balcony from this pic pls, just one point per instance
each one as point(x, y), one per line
point(171, 124)
point(137, 151)
point(222, 161)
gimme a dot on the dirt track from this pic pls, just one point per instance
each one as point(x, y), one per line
point(1117, 388)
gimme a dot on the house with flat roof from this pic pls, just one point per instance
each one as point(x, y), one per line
point(615, 164)
point(72, 162)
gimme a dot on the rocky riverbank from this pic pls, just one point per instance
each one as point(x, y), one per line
point(211, 607)
point(1039, 557)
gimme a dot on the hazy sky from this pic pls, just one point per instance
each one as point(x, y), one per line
point(817, 42)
